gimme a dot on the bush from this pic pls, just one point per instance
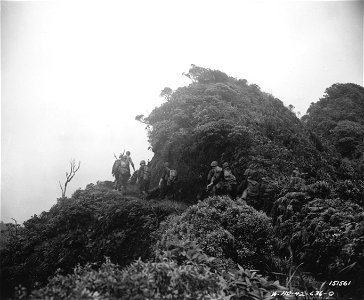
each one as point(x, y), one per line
point(352, 190)
point(164, 279)
point(320, 189)
point(231, 231)
point(324, 235)
point(94, 223)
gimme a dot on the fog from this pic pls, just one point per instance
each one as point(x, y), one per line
point(75, 74)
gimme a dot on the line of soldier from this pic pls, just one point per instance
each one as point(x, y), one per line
point(255, 187)
point(121, 172)
point(220, 180)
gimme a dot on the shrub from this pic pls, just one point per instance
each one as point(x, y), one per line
point(325, 236)
point(163, 279)
point(352, 190)
point(231, 231)
point(320, 189)
point(94, 223)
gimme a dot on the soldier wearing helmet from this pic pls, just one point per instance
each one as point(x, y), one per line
point(229, 181)
point(213, 165)
point(214, 179)
point(168, 182)
point(124, 174)
point(143, 178)
point(115, 172)
point(251, 185)
point(121, 173)
point(129, 161)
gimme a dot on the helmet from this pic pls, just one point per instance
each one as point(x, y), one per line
point(296, 172)
point(225, 165)
point(248, 172)
point(142, 162)
point(252, 174)
point(214, 164)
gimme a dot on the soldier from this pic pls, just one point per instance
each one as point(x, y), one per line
point(124, 174)
point(251, 186)
point(215, 179)
point(143, 179)
point(115, 172)
point(129, 161)
point(296, 181)
point(168, 182)
point(229, 180)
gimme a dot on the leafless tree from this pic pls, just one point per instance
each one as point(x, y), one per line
point(69, 175)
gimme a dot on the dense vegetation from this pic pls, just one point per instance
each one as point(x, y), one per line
point(221, 118)
point(94, 223)
point(338, 120)
point(233, 232)
point(218, 117)
point(163, 279)
point(305, 227)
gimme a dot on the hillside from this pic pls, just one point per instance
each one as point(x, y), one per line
point(337, 118)
point(304, 228)
point(95, 222)
point(221, 118)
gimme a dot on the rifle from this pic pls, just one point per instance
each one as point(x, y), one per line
point(122, 154)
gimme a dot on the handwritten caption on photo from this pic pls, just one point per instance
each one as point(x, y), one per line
point(320, 294)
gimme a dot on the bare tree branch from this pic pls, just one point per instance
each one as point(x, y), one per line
point(61, 188)
point(69, 176)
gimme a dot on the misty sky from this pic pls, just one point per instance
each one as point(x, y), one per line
point(75, 74)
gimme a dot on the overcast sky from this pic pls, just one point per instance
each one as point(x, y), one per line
point(75, 74)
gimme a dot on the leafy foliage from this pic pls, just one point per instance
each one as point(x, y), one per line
point(325, 233)
point(163, 279)
point(233, 232)
point(218, 117)
point(94, 223)
point(352, 190)
point(310, 175)
point(8, 232)
point(221, 118)
point(338, 119)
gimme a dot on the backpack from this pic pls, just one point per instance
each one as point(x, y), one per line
point(253, 188)
point(115, 167)
point(123, 168)
point(172, 176)
point(216, 175)
point(229, 177)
